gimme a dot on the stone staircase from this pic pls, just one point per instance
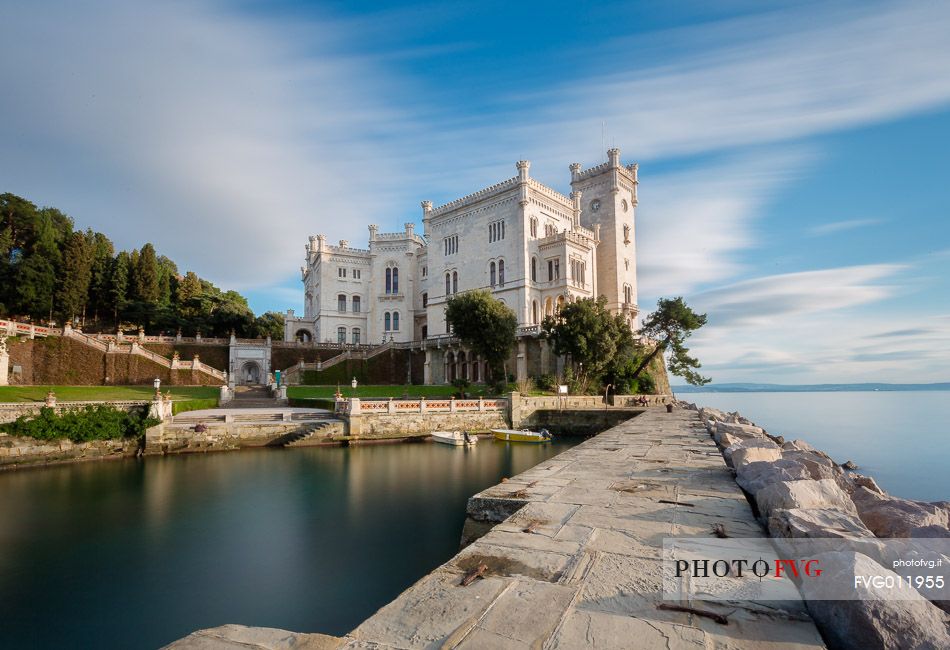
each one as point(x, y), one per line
point(315, 434)
point(252, 397)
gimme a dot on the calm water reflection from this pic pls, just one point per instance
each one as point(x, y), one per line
point(136, 554)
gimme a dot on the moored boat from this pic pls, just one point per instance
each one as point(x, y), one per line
point(522, 435)
point(457, 438)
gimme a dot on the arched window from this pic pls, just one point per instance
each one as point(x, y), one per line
point(534, 227)
point(356, 304)
point(395, 279)
point(341, 335)
point(387, 322)
point(455, 282)
point(448, 284)
point(425, 300)
point(560, 303)
point(491, 273)
point(395, 321)
point(389, 280)
point(501, 273)
point(627, 294)
point(356, 336)
point(548, 308)
point(534, 312)
point(534, 269)
point(341, 302)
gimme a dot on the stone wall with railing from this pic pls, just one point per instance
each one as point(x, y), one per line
point(369, 419)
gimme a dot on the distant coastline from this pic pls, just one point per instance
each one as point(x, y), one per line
point(807, 388)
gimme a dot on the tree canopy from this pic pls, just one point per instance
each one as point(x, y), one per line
point(594, 338)
point(484, 324)
point(48, 269)
point(670, 325)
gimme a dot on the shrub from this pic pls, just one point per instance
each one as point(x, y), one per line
point(99, 422)
point(462, 385)
point(545, 382)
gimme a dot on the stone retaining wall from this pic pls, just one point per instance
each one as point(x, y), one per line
point(17, 452)
point(405, 425)
point(164, 439)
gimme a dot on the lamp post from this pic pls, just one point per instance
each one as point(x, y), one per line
point(354, 384)
point(157, 383)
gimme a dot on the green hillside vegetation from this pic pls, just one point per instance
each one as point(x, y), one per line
point(50, 271)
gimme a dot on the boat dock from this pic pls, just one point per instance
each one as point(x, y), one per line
point(571, 558)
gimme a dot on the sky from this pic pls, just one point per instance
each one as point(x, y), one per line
point(793, 156)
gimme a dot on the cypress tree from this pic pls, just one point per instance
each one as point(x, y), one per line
point(146, 276)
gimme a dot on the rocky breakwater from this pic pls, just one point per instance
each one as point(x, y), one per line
point(799, 492)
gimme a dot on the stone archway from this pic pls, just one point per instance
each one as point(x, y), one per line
point(251, 373)
point(303, 336)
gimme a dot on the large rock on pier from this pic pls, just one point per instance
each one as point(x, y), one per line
point(816, 523)
point(889, 516)
point(877, 620)
point(752, 477)
point(762, 443)
point(789, 495)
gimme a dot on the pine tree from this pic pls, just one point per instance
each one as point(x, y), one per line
point(36, 274)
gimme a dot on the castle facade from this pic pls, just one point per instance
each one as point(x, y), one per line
point(532, 246)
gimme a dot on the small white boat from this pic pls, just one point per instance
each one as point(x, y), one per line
point(521, 435)
point(457, 438)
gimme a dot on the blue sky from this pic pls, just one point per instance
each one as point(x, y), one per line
point(792, 155)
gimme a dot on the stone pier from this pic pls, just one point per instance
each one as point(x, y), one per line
point(573, 549)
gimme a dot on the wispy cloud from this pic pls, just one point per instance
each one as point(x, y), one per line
point(772, 299)
point(842, 226)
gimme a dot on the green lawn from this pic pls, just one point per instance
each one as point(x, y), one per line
point(379, 391)
point(91, 393)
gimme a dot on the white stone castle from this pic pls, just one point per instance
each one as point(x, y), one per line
point(533, 247)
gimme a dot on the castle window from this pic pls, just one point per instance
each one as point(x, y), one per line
point(627, 294)
point(387, 321)
point(356, 336)
point(341, 302)
point(425, 331)
point(501, 273)
point(448, 284)
point(491, 274)
point(496, 231)
point(395, 321)
point(356, 304)
point(356, 274)
point(534, 269)
point(425, 300)
point(392, 279)
point(451, 245)
point(534, 312)
point(341, 335)
point(534, 227)
point(341, 272)
point(455, 282)
point(425, 271)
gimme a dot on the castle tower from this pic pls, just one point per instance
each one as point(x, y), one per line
point(609, 198)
